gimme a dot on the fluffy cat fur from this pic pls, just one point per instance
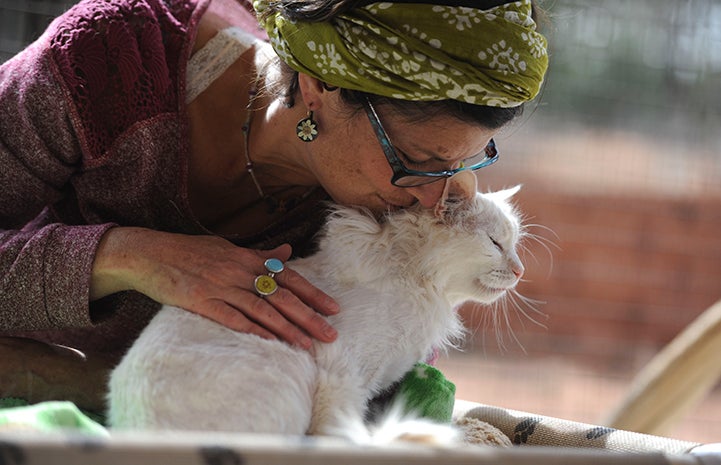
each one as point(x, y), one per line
point(398, 281)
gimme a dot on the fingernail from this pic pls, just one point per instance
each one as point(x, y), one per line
point(332, 305)
point(330, 332)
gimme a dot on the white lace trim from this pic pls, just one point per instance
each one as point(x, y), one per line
point(208, 63)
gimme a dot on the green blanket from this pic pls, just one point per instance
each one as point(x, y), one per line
point(17, 415)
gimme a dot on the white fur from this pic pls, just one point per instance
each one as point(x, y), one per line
point(398, 281)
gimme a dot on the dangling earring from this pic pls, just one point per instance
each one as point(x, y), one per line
point(307, 128)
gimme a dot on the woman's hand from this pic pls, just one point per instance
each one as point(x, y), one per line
point(213, 278)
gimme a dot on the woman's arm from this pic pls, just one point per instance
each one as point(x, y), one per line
point(45, 267)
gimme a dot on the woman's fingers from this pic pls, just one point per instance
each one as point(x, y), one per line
point(300, 314)
point(301, 287)
point(307, 292)
point(271, 317)
point(282, 314)
point(300, 301)
point(244, 311)
point(229, 316)
point(282, 252)
point(259, 318)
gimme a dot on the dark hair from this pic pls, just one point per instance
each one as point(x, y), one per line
point(310, 10)
point(324, 10)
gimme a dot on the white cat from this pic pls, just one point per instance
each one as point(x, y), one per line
point(398, 281)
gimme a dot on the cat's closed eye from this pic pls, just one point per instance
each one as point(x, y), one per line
point(496, 243)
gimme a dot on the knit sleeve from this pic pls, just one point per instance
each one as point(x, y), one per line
point(44, 267)
point(100, 70)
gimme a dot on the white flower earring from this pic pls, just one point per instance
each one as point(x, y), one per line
point(307, 128)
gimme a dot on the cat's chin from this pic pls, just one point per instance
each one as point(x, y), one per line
point(487, 294)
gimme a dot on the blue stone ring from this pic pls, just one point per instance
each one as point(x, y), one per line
point(274, 266)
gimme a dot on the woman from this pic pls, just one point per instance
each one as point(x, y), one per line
point(160, 152)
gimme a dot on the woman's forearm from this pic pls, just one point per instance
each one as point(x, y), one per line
point(118, 260)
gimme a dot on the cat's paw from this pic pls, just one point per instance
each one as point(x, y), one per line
point(396, 428)
point(420, 432)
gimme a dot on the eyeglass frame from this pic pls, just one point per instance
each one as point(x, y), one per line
point(400, 170)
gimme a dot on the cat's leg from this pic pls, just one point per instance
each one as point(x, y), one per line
point(339, 407)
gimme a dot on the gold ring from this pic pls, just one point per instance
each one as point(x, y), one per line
point(265, 285)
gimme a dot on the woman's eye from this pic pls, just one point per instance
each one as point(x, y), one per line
point(408, 160)
point(424, 164)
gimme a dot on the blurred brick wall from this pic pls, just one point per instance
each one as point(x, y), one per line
point(630, 273)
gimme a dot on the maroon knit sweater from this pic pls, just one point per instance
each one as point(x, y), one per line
point(93, 134)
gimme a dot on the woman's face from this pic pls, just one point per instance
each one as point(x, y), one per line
point(352, 167)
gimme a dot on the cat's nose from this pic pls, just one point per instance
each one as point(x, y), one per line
point(518, 270)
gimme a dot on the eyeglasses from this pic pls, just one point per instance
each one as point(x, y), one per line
point(406, 177)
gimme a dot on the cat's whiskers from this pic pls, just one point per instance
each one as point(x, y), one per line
point(497, 317)
point(503, 307)
point(543, 241)
point(520, 301)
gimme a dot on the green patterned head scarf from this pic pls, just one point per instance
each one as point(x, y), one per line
point(419, 51)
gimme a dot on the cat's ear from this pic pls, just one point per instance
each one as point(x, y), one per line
point(459, 187)
point(506, 194)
